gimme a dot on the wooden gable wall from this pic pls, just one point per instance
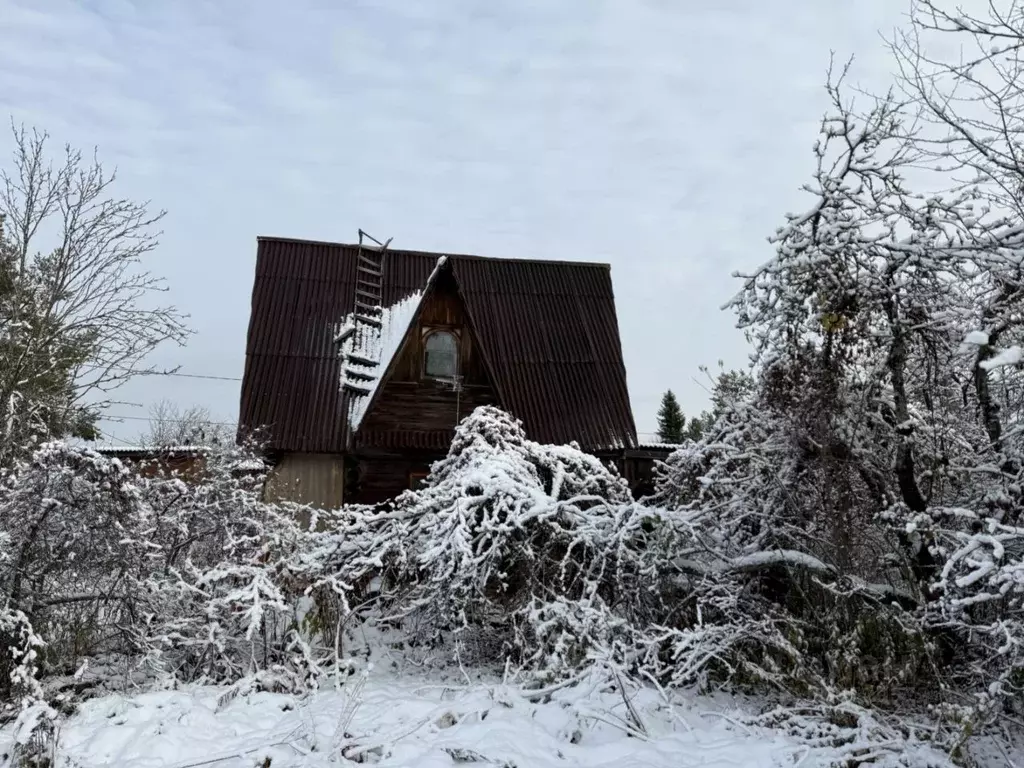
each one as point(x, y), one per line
point(412, 420)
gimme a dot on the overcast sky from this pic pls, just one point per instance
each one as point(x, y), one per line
point(663, 136)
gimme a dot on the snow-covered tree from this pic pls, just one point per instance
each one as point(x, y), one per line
point(728, 388)
point(76, 318)
point(510, 548)
point(787, 571)
point(64, 515)
point(876, 474)
point(172, 425)
point(103, 565)
point(971, 105)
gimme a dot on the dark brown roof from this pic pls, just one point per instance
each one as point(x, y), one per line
point(548, 330)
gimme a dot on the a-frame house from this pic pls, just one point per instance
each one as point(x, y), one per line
point(361, 360)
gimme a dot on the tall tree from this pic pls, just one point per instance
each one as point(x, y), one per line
point(76, 313)
point(671, 421)
point(697, 425)
point(884, 447)
point(729, 388)
point(171, 425)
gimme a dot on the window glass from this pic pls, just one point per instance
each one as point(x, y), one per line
point(441, 355)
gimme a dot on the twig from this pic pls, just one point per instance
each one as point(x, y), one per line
point(540, 693)
point(728, 719)
point(232, 755)
point(622, 725)
point(668, 701)
point(630, 709)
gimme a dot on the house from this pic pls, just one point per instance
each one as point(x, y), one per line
point(638, 465)
point(186, 461)
point(361, 360)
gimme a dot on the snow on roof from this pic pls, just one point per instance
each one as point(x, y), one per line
point(375, 346)
point(659, 445)
point(367, 351)
point(249, 465)
point(161, 449)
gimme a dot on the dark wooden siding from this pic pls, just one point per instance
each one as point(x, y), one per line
point(383, 476)
point(188, 464)
point(638, 465)
point(414, 412)
point(425, 407)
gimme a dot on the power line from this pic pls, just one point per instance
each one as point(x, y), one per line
point(193, 376)
point(137, 372)
point(183, 375)
point(115, 440)
point(161, 419)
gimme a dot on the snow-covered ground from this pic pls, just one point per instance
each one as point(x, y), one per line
point(423, 722)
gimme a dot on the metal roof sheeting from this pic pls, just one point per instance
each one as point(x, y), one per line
point(548, 331)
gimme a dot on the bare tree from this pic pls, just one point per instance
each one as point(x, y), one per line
point(170, 424)
point(963, 65)
point(76, 316)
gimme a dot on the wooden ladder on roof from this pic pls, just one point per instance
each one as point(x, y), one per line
point(367, 309)
point(370, 279)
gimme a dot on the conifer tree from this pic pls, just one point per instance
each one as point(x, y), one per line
point(671, 421)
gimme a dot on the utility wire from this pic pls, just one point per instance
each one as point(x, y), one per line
point(193, 376)
point(165, 373)
point(115, 440)
point(175, 421)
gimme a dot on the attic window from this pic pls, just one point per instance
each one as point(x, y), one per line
point(441, 355)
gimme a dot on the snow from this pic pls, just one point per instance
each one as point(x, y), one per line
point(421, 721)
point(378, 345)
point(104, 449)
point(347, 329)
point(780, 557)
point(885, 591)
point(1009, 356)
point(375, 345)
point(654, 444)
point(249, 465)
point(976, 338)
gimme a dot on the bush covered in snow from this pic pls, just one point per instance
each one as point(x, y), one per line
point(102, 568)
point(821, 599)
point(536, 556)
point(507, 533)
point(515, 555)
point(511, 550)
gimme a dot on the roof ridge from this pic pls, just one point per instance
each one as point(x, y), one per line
point(437, 254)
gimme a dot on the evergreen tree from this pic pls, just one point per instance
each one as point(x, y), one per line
point(697, 425)
point(671, 421)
